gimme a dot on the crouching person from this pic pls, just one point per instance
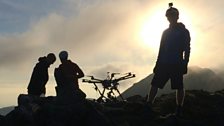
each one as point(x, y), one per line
point(66, 76)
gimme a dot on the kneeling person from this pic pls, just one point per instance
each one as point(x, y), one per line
point(66, 76)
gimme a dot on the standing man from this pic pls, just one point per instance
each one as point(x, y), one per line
point(172, 59)
point(40, 75)
point(66, 76)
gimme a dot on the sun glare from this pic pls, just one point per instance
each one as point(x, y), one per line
point(152, 28)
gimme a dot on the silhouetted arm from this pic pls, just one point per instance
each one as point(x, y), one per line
point(80, 73)
point(187, 48)
point(155, 69)
point(161, 46)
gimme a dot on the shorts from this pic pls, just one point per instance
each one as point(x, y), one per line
point(164, 72)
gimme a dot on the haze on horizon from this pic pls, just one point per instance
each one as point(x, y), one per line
point(100, 36)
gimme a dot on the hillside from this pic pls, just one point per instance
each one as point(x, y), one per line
point(196, 79)
point(6, 110)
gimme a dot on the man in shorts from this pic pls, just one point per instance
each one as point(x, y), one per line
point(172, 59)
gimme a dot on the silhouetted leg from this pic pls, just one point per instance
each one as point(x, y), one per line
point(152, 94)
point(180, 94)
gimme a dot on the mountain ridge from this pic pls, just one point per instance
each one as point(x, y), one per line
point(197, 79)
point(5, 110)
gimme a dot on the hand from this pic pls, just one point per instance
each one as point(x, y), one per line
point(185, 68)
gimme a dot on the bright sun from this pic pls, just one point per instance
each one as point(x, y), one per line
point(153, 26)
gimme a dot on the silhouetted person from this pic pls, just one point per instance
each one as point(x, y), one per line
point(40, 75)
point(66, 76)
point(172, 59)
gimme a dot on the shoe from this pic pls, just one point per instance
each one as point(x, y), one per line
point(179, 111)
point(148, 111)
point(149, 104)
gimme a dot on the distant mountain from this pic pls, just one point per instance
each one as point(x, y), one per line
point(6, 110)
point(196, 79)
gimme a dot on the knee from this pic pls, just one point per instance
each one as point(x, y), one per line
point(154, 87)
point(180, 91)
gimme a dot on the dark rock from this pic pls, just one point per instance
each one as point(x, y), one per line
point(200, 108)
point(2, 120)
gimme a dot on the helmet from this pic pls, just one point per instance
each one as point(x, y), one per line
point(172, 11)
point(63, 55)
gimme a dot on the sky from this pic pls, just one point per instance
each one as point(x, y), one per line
point(101, 36)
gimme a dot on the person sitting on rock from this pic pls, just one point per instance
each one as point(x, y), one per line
point(66, 76)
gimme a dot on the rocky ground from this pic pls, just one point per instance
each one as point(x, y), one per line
point(201, 108)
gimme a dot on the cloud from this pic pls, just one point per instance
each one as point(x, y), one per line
point(100, 33)
point(16, 15)
point(100, 36)
point(13, 50)
point(96, 35)
point(97, 28)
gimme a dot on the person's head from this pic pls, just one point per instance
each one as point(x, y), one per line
point(51, 58)
point(172, 14)
point(63, 55)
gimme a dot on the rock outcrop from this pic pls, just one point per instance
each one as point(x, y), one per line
point(200, 108)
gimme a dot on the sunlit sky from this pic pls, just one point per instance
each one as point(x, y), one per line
point(100, 36)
